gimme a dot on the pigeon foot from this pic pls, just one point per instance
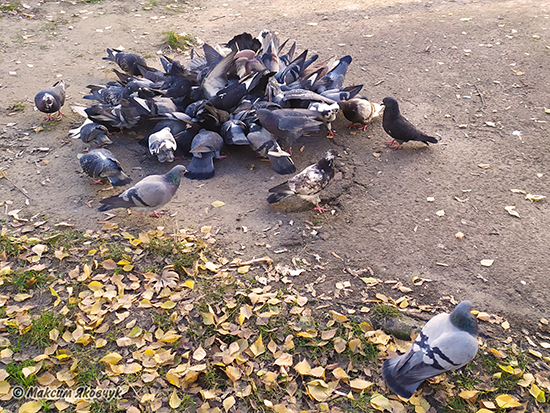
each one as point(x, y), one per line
point(351, 125)
point(97, 182)
point(320, 208)
point(157, 214)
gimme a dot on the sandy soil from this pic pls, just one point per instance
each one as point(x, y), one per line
point(472, 72)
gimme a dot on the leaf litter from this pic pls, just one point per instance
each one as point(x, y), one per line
point(173, 323)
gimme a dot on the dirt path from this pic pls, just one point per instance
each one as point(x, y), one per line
point(474, 73)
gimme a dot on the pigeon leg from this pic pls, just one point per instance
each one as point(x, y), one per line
point(393, 144)
point(48, 118)
point(331, 133)
point(157, 214)
point(351, 125)
point(320, 209)
point(59, 115)
point(363, 127)
point(97, 182)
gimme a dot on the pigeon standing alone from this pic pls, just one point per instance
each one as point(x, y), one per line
point(149, 194)
point(399, 128)
point(447, 342)
point(101, 163)
point(51, 100)
point(308, 183)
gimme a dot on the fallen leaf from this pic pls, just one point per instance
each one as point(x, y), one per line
point(174, 400)
point(505, 401)
point(536, 198)
point(218, 204)
point(486, 263)
point(511, 210)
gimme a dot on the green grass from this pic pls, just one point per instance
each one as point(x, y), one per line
point(386, 311)
point(39, 334)
point(15, 370)
point(177, 41)
point(27, 280)
point(17, 106)
point(10, 6)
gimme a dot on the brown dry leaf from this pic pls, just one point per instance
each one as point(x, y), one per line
point(303, 368)
point(284, 360)
point(228, 403)
point(497, 353)
point(360, 384)
point(381, 403)
point(233, 373)
point(319, 390)
point(468, 395)
point(109, 264)
point(199, 354)
point(111, 358)
point(340, 374)
point(328, 334)
point(341, 318)
point(339, 345)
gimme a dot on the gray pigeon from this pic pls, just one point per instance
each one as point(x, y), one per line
point(162, 144)
point(129, 62)
point(360, 110)
point(91, 133)
point(149, 194)
point(205, 146)
point(308, 183)
point(265, 144)
point(399, 128)
point(101, 163)
point(447, 342)
point(51, 100)
point(289, 124)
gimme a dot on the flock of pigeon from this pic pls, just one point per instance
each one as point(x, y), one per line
point(249, 93)
point(253, 95)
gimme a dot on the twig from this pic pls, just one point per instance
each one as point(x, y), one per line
point(480, 96)
point(5, 175)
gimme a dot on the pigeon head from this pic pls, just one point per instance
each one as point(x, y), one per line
point(47, 102)
point(174, 175)
point(463, 319)
point(327, 111)
point(390, 106)
point(330, 155)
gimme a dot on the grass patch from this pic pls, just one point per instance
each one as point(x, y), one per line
point(17, 106)
point(15, 370)
point(27, 280)
point(179, 41)
point(386, 311)
point(10, 6)
point(39, 333)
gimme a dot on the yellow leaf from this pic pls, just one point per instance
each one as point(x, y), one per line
point(303, 368)
point(233, 373)
point(189, 284)
point(4, 387)
point(360, 384)
point(128, 267)
point(100, 342)
point(111, 358)
point(319, 390)
point(507, 369)
point(228, 403)
point(537, 393)
point(338, 317)
point(484, 411)
point(31, 407)
point(21, 297)
point(257, 348)
point(135, 332)
point(170, 337)
point(95, 286)
point(506, 401)
point(174, 400)
point(340, 374)
point(244, 269)
point(469, 395)
point(379, 402)
point(168, 305)
point(217, 204)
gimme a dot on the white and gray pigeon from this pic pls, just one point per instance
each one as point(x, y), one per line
point(100, 164)
point(51, 100)
point(308, 183)
point(91, 133)
point(205, 146)
point(447, 342)
point(162, 145)
point(149, 194)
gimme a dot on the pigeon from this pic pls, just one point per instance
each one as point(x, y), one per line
point(129, 62)
point(205, 146)
point(91, 133)
point(447, 342)
point(101, 163)
point(289, 124)
point(326, 112)
point(335, 78)
point(149, 194)
point(162, 144)
point(399, 128)
point(265, 144)
point(360, 110)
point(308, 183)
point(51, 100)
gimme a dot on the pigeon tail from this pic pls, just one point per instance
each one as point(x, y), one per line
point(201, 168)
point(282, 163)
point(120, 179)
point(400, 384)
point(426, 139)
point(113, 202)
point(280, 192)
